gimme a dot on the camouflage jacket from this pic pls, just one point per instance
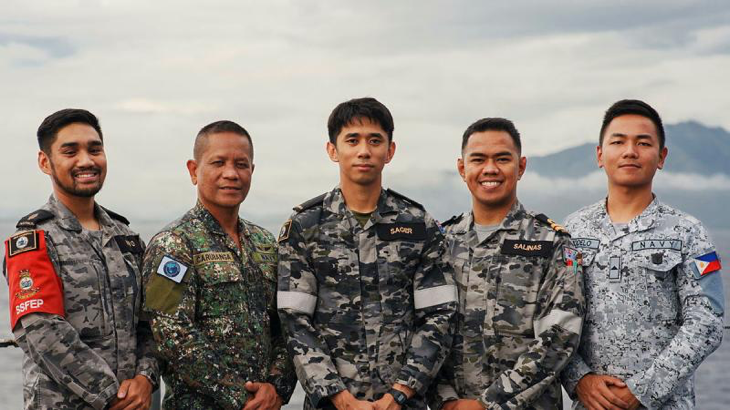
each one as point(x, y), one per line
point(213, 308)
point(520, 313)
point(652, 316)
point(78, 361)
point(364, 307)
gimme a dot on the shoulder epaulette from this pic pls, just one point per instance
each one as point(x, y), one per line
point(453, 220)
point(405, 198)
point(553, 225)
point(34, 218)
point(310, 204)
point(116, 216)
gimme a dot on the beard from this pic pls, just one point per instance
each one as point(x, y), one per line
point(73, 189)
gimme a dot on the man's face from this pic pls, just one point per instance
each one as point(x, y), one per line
point(491, 165)
point(77, 162)
point(223, 171)
point(630, 151)
point(362, 149)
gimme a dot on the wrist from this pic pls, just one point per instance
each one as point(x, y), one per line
point(340, 399)
point(404, 389)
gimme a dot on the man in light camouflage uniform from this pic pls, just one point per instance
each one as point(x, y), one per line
point(520, 295)
point(654, 292)
point(210, 280)
point(363, 292)
point(75, 285)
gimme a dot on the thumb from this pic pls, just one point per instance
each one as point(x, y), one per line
point(614, 381)
point(123, 389)
point(252, 387)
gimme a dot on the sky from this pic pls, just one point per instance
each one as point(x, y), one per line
point(156, 72)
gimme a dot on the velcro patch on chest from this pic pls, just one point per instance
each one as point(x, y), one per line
point(129, 243)
point(207, 257)
point(674, 244)
point(22, 242)
point(527, 248)
point(402, 230)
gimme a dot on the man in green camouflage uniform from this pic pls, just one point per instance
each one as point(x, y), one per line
point(363, 292)
point(520, 296)
point(73, 271)
point(210, 279)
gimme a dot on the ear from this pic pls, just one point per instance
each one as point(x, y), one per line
point(460, 168)
point(192, 170)
point(332, 151)
point(44, 163)
point(522, 167)
point(599, 156)
point(253, 166)
point(662, 156)
point(391, 152)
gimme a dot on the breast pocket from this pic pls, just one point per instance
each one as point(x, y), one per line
point(517, 292)
point(221, 289)
point(86, 297)
point(660, 272)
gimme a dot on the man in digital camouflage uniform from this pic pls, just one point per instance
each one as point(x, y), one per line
point(365, 297)
point(654, 292)
point(210, 281)
point(520, 293)
point(75, 285)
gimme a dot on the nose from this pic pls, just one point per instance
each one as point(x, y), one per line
point(84, 159)
point(630, 151)
point(490, 168)
point(363, 150)
point(229, 172)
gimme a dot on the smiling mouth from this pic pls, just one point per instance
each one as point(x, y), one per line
point(490, 184)
point(230, 188)
point(629, 166)
point(86, 175)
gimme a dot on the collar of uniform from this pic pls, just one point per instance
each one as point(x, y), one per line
point(645, 220)
point(202, 213)
point(334, 202)
point(510, 222)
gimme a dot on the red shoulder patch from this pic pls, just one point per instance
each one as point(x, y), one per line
point(33, 284)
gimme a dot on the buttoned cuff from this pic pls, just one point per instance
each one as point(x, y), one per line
point(105, 397)
point(571, 375)
point(283, 388)
point(322, 394)
point(642, 393)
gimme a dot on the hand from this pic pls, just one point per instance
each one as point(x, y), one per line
point(625, 394)
point(593, 391)
point(344, 400)
point(463, 404)
point(133, 393)
point(264, 397)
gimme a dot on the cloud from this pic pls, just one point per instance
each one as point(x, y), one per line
point(146, 106)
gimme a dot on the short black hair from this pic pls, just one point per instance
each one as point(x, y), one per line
point(493, 124)
point(48, 130)
point(347, 112)
point(636, 107)
point(218, 127)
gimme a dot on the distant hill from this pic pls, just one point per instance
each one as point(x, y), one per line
point(693, 148)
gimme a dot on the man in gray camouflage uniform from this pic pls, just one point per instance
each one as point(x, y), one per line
point(75, 285)
point(365, 297)
point(654, 292)
point(520, 295)
point(210, 281)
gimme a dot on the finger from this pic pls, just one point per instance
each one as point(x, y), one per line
point(122, 392)
point(614, 381)
point(253, 387)
point(252, 404)
point(606, 403)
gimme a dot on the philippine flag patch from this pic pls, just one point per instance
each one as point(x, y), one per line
point(707, 263)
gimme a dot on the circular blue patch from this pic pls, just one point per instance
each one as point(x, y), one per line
point(171, 269)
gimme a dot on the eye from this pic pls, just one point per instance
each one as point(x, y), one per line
point(242, 165)
point(217, 162)
point(616, 142)
point(503, 160)
point(375, 141)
